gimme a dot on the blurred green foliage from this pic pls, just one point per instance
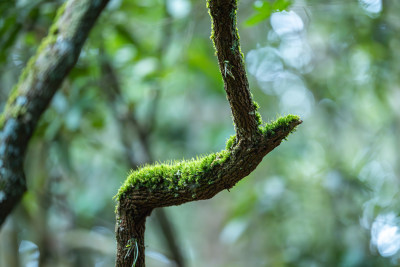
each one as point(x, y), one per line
point(327, 197)
point(264, 9)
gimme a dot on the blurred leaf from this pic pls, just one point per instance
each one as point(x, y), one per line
point(280, 5)
point(199, 59)
point(129, 37)
point(264, 10)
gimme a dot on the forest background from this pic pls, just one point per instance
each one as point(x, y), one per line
point(147, 88)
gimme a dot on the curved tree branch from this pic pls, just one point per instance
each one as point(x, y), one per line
point(174, 184)
point(41, 78)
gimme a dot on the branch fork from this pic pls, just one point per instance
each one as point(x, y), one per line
point(162, 185)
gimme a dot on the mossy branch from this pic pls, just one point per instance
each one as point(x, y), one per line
point(178, 182)
point(161, 185)
point(39, 81)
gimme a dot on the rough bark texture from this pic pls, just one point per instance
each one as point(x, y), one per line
point(137, 198)
point(40, 80)
point(226, 41)
point(129, 230)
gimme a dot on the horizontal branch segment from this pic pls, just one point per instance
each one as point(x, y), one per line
point(174, 184)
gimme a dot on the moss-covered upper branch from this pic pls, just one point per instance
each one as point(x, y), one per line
point(38, 83)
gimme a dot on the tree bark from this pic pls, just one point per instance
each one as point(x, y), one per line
point(166, 185)
point(41, 78)
point(130, 228)
point(230, 59)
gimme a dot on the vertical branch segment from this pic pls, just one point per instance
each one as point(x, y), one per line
point(129, 229)
point(226, 41)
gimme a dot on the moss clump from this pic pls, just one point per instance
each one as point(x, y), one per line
point(230, 142)
point(257, 114)
point(258, 118)
point(282, 122)
point(212, 36)
point(178, 175)
point(173, 176)
point(255, 104)
point(54, 27)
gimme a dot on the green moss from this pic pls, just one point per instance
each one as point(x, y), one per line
point(178, 175)
point(255, 104)
point(258, 118)
point(54, 27)
point(230, 142)
point(2, 120)
point(282, 122)
point(12, 110)
point(173, 176)
point(257, 114)
point(212, 36)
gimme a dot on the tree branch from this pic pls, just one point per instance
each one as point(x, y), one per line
point(230, 59)
point(174, 184)
point(41, 78)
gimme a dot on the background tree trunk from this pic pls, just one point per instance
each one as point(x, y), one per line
point(37, 85)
